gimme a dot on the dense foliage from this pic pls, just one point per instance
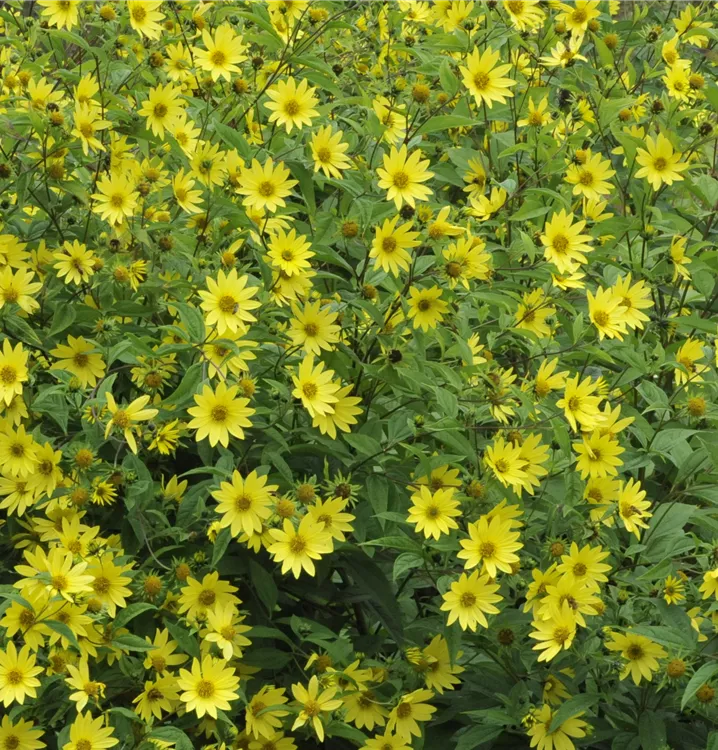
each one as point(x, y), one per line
point(358, 375)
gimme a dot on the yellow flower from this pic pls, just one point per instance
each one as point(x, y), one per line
point(208, 686)
point(62, 575)
point(87, 124)
point(331, 514)
point(585, 565)
point(434, 512)
point(470, 599)
point(344, 414)
point(590, 177)
point(313, 703)
point(709, 587)
point(525, 15)
point(402, 176)
point(491, 543)
point(18, 675)
point(641, 653)
point(560, 736)
point(87, 733)
point(390, 245)
point(425, 307)
point(313, 328)
point(18, 452)
point(13, 371)
point(126, 419)
point(505, 461)
point(60, 13)
point(607, 313)
point(145, 18)
point(80, 358)
point(392, 118)
point(633, 507)
point(580, 406)
point(329, 152)
point(673, 588)
point(222, 54)
point(564, 244)
point(197, 598)
point(116, 199)
point(161, 108)
point(109, 582)
point(225, 628)
point(265, 187)
point(159, 695)
point(20, 734)
point(387, 741)
point(533, 311)
point(315, 387)
point(227, 302)
point(85, 688)
point(292, 105)
point(411, 709)
point(262, 717)
point(219, 414)
point(75, 264)
point(290, 253)
point(245, 502)
point(485, 79)
point(297, 548)
point(659, 163)
point(162, 656)
point(577, 16)
point(688, 356)
point(189, 200)
point(554, 633)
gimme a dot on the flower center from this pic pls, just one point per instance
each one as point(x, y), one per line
point(160, 110)
point(660, 164)
point(601, 317)
point(297, 545)
point(291, 107)
point(482, 81)
point(388, 244)
point(324, 155)
point(14, 677)
point(227, 304)
point(401, 180)
point(579, 569)
point(311, 329)
point(403, 710)
point(81, 359)
point(309, 390)
point(467, 600)
point(312, 708)
point(121, 419)
point(560, 243)
point(218, 58)
point(487, 549)
point(205, 689)
point(586, 178)
point(561, 635)
point(8, 375)
point(424, 305)
point(101, 585)
point(207, 597)
point(266, 188)
point(634, 652)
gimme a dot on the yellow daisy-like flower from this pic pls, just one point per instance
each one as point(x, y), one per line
point(297, 548)
point(402, 176)
point(145, 18)
point(126, 419)
point(199, 597)
point(80, 357)
point(76, 264)
point(292, 105)
point(346, 410)
point(208, 686)
point(244, 502)
point(87, 733)
point(315, 387)
point(313, 704)
point(265, 187)
point(470, 599)
point(227, 302)
point(290, 253)
point(590, 177)
point(20, 734)
point(545, 738)
point(434, 512)
point(641, 655)
point(390, 245)
point(109, 582)
point(222, 54)
point(18, 675)
point(259, 718)
point(220, 413)
point(313, 328)
point(60, 13)
point(580, 405)
point(564, 245)
point(486, 80)
point(159, 695)
point(554, 633)
point(425, 308)
point(660, 164)
point(13, 371)
point(493, 544)
point(116, 199)
point(329, 152)
point(161, 108)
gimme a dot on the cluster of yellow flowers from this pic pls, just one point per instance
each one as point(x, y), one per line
point(356, 354)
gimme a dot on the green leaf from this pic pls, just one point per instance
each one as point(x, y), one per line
point(193, 321)
point(703, 675)
point(130, 642)
point(573, 707)
point(477, 736)
point(172, 734)
point(651, 730)
point(63, 630)
point(447, 78)
point(185, 641)
point(263, 583)
point(220, 545)
point(129, 613)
